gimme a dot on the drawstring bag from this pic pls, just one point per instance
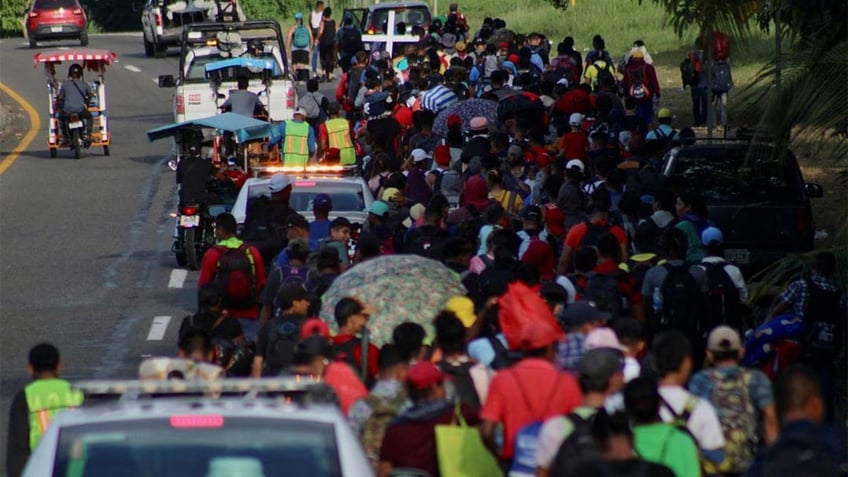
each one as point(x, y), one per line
point(461, 452)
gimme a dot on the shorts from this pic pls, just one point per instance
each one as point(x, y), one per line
point(300, 57)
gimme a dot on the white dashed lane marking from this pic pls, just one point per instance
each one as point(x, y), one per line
point(177, 279)
point(134, 69)
point(158, 328)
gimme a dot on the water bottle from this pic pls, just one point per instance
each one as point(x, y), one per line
point(657, 301)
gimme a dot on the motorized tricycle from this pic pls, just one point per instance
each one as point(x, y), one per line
point(194, 229)
point(68, 130)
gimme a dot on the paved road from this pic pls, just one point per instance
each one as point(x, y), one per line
point(85, 259)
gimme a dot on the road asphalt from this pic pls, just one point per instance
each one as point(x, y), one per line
point(85, 260)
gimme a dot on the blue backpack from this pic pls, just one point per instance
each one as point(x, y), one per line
point(301, 37)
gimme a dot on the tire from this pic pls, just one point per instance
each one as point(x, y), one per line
point(159, 50)
point(33, 43)
point(75, 143)
point(190, 247)
point(181, 259)
point(106, 151)
point(83, 39)
point(53, 152)
point(148, 47)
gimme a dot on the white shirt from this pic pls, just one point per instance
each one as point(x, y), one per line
point(734, 273)
point(703, 423)
point(315, 19)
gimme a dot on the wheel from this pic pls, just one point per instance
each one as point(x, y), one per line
point(172, 164)
point(32, 42)
point(53, 152)
point(76, 143)
point(190, 247)
point(181, 259)
point(148, 47)
point(84, 38)
point(159, 50)
point(106, 150)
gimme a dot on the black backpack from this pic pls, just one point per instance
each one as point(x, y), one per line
point(648, 234)
point(578, 447)
point(426, 244)
point(682, 303)
point(593, 233)
point(722, 77)
point(283, 337)
point(504, 358)
point(723, 304)
point(351, 41)
point(236, 277)
point(605, 77)
point(603, 289)
point(462, 382)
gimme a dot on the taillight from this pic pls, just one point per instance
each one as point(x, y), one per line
point(158, 20)
point(180, 104)
point(77, 11)
point(197, 422)
point(804, 220)
point(189, 210)
point(33, 14)
point(290, 98)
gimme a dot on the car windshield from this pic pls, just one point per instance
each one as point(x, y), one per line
point(198, 446)
point(727, 175)
point(411, 16)
point(345, 196)
point(48, 4)
point(197, 69)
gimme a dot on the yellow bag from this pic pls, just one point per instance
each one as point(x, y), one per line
point(461, 452)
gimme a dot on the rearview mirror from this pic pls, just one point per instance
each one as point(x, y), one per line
point(167, 81)
point(814, 191)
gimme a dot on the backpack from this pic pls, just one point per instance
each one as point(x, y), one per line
point(236, 276)
point(602, 288)
point(638, 88)
point(638, 269)
point(527, 438)
point(504, 358)
point(723, 305)
point(664, 139)
point(681, 421)
point(605, 77)
point(236, 359)
point(300, 38)
point(722, 77)
point(426, 244)
point(721, 46)
point(383, 412)
point(648, 234)
point(822, 313)
point(470, 228)
point(462, 382)
point(354, 82)
point(738, 417)
point(351, 41)
point(313, 108)
point(593, 233)
point(283, 337)
point(289, 275)
point(681, 303)
point(578, 447)
point(346, 353)
point(690, 70)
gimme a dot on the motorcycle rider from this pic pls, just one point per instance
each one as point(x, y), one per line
point(193, 174)
point(73, 98)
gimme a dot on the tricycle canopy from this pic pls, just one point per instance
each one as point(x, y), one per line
point(242, 127)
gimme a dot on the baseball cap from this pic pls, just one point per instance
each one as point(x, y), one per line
point(478, 123)
point(298, 16)
point(504, 45)
point(463, 308)
point(710, 235)
point(389, 193)
point(424, 374)
point(297, 220)
point(663, 113)
point(460, 46)
point(419, 155)
point(598, 365)
point(575, 164)
point(603, 338)
point(583, 312)
point(532, 213)
point(415, 212)
point(378, 208)
point(340, 222)
point(576, 119)
point(300, 111)
point(515, 151)
point(313, 327)
point(279, 182)
point(537, 334)
point(724, 338)
point(322, 202)
point(448, 40)
point(443, 157)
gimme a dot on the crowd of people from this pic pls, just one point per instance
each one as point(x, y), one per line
point(602, 331)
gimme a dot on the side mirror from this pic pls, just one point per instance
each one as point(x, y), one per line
point(814, 191)
point(167, 81)
point(220, 95)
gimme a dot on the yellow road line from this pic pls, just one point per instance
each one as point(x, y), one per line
point(34, 127)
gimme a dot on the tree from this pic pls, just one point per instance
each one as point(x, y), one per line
point(11, 14)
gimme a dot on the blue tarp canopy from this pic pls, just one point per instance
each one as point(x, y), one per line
point(243, 127)
point(257, 64)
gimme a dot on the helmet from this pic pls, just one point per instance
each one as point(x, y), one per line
point(255, 46)
point(75, 69)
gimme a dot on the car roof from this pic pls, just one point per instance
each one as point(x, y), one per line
point(391, 5)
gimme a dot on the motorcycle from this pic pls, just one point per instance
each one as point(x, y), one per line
point(75, 134)
point(195, 224)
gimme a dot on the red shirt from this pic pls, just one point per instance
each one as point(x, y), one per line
point(209, 266)
point(373, 353)
point(576, 234)
point(575, 144)
point(532, 390)
point(403, 115)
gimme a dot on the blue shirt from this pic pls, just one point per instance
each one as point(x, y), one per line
point(280, 136)
point(282, 259)
point(481, 349)
point(319, 229)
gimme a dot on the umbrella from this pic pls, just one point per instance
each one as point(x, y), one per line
point(466, 110)
point(399, 287)
point(438, 98)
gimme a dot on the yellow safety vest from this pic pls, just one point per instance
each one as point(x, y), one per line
point(338, 133)
point(45, 398)
point(296, 148)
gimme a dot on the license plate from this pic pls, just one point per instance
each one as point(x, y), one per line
point(75, 124)
point(56, 29)
point(189, 220)
point(737, 255)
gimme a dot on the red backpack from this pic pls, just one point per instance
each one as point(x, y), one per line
point(236, 277)
point(721, 46)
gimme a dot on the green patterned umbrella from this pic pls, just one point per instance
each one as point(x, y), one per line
point(399, 287)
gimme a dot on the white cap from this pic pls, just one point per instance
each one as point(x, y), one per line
point(419, 155)
point(576, 119)
point(279, 182)
point(575, 164)
point(300, 111)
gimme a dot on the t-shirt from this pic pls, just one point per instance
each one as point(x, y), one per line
point(505, 197)
point(319, 229)
point(667, 445)
point(531, 390)
point(576, 234)
point(243, 102)
point(620, 468)
point(554, 432)
point(703, 423)
point(575, 144)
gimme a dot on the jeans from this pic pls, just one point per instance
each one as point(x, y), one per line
point(699, 105)
point(250, 328)
point(315, 63)
point(645, 112)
